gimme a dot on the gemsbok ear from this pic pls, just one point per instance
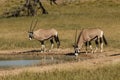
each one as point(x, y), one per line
point(75, 45)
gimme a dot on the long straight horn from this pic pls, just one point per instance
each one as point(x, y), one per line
point(76, 37)
point(31, 25)
point(35, 24)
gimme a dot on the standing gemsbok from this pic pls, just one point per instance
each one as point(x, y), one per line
point(44, 34)
point(86, 36)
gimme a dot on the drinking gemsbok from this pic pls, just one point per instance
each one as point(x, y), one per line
point(86, 36)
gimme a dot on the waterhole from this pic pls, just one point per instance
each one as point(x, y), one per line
point(30, 60)
point(13, 61)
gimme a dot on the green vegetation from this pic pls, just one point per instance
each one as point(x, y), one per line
point(64, 18)
point(103, 73)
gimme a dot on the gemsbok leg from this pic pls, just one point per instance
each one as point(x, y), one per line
point(52, 43)
point(90, 45)
point(101, 45)
point(86, 44)
point(42, 46)
point(96, 42)
point(57, 41)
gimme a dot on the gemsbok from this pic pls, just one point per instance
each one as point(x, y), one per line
point(86, 36)
point(44, 34)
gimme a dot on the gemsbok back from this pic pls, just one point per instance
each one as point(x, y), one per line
point(86, 36)
point(44, 34)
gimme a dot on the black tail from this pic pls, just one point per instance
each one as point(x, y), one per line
point(57, 41)
point(104, 39)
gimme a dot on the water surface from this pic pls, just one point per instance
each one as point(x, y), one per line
point(28, 60)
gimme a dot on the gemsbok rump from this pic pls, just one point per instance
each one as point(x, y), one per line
point(44, 34)
point(86, 36)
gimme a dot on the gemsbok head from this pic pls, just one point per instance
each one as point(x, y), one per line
point(44, 34)
point(86, 36)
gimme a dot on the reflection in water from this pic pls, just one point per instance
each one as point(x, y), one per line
point(13, 61)
point(22, 61)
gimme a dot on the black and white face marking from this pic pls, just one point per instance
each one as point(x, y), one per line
point(30, 35)
point(76, 49)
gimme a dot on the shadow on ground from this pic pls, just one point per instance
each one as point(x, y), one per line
point(115, 54)
point(29, 51)
point(73, 54)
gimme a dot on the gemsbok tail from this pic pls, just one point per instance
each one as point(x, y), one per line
point(105, 41)
point(57, 41)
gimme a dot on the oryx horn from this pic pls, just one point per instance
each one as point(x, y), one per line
point(35, 24)
point(75, 36)
point(31, 25)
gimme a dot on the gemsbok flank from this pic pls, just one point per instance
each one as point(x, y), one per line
point(86, 36)
point(44, 34)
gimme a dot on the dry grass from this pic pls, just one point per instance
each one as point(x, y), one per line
point(13, 32)
point(65, 18)
point(95, 66)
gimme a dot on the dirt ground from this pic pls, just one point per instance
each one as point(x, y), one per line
point(109, 56)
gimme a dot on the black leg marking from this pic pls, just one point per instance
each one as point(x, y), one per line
point(51, 41)
point(104, 39)
point(43, 46)
point(57, 41)
point(96, 42)
point(89, 43)
point(101, 41)
point(42, 42)
point(86, 43)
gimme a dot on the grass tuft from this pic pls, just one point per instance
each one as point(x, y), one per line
point(110, 72)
